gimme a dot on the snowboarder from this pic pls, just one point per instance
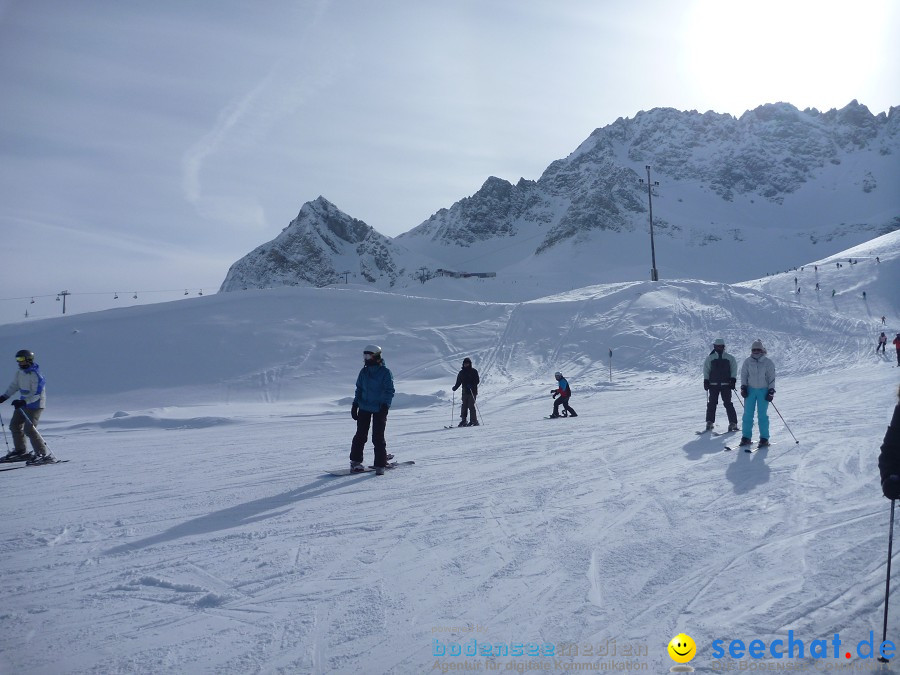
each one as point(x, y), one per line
point(29, 384)
point(719, 378)
point(882, 342)
point(832, 292)
point(758, 388)
point(882, 319)
point(896, 344)
point(889, 459)
point(371, 402)
point(467, 379)
point(564, 391)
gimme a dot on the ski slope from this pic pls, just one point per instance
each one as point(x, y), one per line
point(194, 530)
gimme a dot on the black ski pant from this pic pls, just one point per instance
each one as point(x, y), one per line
point(364, 420)
point(723, 390)
point(564, 402)
point(468, 407)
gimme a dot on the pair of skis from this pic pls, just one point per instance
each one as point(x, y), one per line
point(714, 433)
point(749, 447)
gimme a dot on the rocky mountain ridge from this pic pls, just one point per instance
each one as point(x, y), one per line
point(776, 175)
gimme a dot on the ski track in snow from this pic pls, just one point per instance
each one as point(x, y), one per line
point(208, 539)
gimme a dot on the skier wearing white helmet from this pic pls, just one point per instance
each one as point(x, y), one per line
point(371, 402)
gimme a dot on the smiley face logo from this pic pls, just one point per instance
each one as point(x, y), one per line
point(682, 648)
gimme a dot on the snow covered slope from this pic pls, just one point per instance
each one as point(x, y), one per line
point(193, 530)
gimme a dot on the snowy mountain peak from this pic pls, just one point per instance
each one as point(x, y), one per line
point(321, 246)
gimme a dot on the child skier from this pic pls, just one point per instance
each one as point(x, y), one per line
point(564, 391)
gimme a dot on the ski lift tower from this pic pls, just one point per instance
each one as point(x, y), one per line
point(654, 274)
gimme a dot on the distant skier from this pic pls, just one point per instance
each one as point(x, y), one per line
point(882, 319)
point(889, 458)
point(817, 285)
point(758, 388)
point(896, 343)
point(564, 391)
point(882, 343)
point(467, 379)
point(833, 292)
point(864, 295)
point(719, 378)
point(371, 402)
point(28, 383)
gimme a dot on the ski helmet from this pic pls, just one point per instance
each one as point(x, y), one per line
point(557, 375)
point(25, 357)
point(374, 350)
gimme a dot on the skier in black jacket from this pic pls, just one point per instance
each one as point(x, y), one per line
point(889, 459)
point(719, 379)
point(467, 379)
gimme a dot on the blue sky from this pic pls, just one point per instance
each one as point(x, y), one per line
point(148, 145)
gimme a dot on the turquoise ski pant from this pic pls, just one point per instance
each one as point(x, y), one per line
point(756, 400)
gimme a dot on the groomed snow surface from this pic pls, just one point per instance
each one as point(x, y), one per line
point(194, 529)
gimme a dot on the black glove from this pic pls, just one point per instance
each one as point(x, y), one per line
point(706, 385)
point(770, 395)
point(354, 411)
point(891, 487)
point(18, 403)
point(733, 383)
point(3, 397)
point(384, 409)
point(744, 391)
point(555, 393)
point(456, 387)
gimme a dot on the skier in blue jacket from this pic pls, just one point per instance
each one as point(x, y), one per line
point(372, 400)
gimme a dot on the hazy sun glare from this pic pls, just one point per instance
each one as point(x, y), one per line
point(812, 54)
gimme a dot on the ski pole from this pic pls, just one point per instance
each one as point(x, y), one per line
point(887, 583)
point(785, 423)
point(452, 408)
point(34, 429)
point(477, 411)
point(4, 435)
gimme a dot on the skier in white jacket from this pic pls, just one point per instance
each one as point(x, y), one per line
point(758, 388)
point(28, 384)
